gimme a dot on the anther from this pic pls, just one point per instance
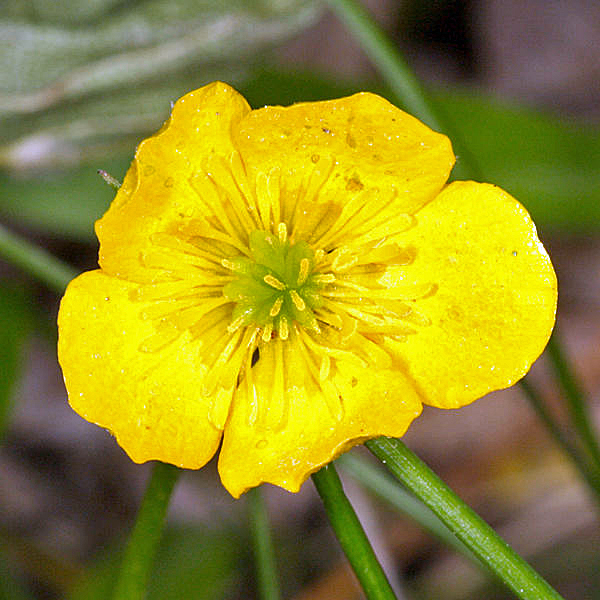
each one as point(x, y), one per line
point(236, 324)
point(273, 282)
point(228, 264)
point(267, 331)
point(324, 278)
point(282, 232)
point(304, 267)
point(283, 328)
point(314, 326)
point(276, 307)
point(344, 260)
point(297, 300)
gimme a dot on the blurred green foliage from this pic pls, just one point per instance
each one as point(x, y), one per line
point(192, 563)
point(16, 320)
point(10, 587)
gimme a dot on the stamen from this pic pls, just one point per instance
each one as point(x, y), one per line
point(330, 394)
point(267, 331)
point(314, 326)
point(236, 324)
point(325, 367)
point(304, 267)
point(323, 278)
point(283, 328)
point(319, 255)
point(276, 307)
point(282, 232)
point(262, 199)
point(274, 282)
point(344, 259)
point(297, 300)
point(159, 339)
point(252, 396)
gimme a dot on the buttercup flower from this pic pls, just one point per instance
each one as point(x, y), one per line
point(292, 281)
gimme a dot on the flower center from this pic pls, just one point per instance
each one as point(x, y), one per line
point(276, 287)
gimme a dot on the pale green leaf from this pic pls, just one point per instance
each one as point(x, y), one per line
point(79, 79)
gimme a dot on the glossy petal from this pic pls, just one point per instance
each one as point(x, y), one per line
point(150, 401)
point(357, 151)
point(494, 302)
point(158, 194)
point(285, 426)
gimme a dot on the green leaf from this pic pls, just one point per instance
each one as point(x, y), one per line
point(65, 203)
point(550, 165)
point(60, 59)
point(79, 78)
point(274, 86)
point(15, 319)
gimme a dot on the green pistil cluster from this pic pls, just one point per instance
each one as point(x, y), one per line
point(276, 287)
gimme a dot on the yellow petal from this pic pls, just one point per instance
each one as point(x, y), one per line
point(360, 150)
point(493, 299)
point(286, 424)
point(151, 401)
point(158, 193)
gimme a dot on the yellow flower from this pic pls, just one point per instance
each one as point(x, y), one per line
point(292, 281)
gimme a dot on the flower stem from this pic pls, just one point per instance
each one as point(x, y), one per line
point(385, 487)
point(264, 555)
point(34, 260)
point(143, 544)
point(576, 402)
point(475, 533)
point(402, 80)
point(351, 535)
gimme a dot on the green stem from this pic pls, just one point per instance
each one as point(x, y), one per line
point(576, 402)
point(351, 535)
point(402, 80)
point(266, 569)
point(475, 533)
point(36, 261)
point(386, 488)
point(143, 544)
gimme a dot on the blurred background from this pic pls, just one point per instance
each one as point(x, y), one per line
point(83, 81)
